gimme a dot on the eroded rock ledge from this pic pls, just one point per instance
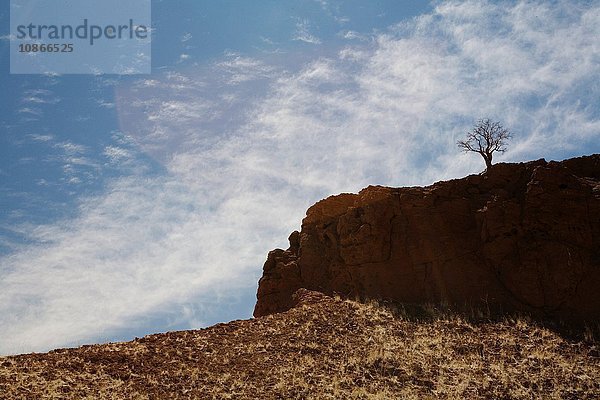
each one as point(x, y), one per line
point(522, 237)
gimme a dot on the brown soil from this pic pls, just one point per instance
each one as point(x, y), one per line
point(322, 349)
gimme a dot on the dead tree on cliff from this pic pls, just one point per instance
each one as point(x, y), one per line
point(486, 138)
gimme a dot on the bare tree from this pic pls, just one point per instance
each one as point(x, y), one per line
point(486, 138)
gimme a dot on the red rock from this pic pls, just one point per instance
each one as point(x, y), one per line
point(521, 237)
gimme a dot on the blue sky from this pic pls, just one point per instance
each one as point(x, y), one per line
point(146, 203)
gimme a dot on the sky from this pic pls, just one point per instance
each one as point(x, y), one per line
point(136, 204)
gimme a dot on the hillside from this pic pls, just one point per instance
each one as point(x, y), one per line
point(323, 348)
point(463, 289)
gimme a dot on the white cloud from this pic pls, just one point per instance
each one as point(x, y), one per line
point(41, 138)
point(353, 35)
point(71, 149)
point(149, 82)
point(77, 164)
point(105, 104)
point(146, 245)
point(31, 111)
point(40, 96)
point(117, 154)
point(183, 57)
point(240, 69)
point(38, 100)
point(333, 10)
point(303, 33)
point(268, 41)
point(241, 167)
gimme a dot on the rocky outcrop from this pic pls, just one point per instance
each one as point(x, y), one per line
point(520, 237)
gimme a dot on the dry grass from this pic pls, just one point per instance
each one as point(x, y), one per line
point(332, 349)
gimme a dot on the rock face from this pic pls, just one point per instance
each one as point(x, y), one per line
point(521, 237)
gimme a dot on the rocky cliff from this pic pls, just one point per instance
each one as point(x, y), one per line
point(520, 237)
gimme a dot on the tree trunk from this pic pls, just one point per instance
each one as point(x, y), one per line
point(488, 162)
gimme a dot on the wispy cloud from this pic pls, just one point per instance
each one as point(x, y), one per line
point(31, 111)
point(117, 154)
point(183, 57)
point(241, 167)
point(40, 96)
point(241, 69)
point(71, 149)
point(353, 35)
point(41, 138)
point(105, 104)
point(303, 33)
point(333, 10)
point(77, 165)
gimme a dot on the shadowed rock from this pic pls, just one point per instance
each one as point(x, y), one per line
point(521, 237)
